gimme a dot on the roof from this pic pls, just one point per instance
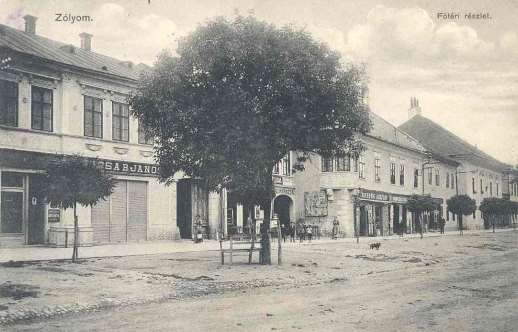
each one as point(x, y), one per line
point(55, 51)
point(385, 131)
point(441, 141)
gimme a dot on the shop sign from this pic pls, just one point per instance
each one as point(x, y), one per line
point(54, 215)
point(128, 168)
point(284, 190)
point(315, 203)
point(374, 195)
point(399, 199)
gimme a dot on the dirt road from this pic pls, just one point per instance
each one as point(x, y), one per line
point(474, 289)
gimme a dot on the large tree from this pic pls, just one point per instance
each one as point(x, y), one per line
point(461, 205)
point(420, 204)
point(72, 180)
point(241, 94)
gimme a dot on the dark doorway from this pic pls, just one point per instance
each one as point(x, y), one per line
point(281, 206)
point(364, 221)
point(36, 211)
point(378, 221)
point(191, 200)
point(397, 229)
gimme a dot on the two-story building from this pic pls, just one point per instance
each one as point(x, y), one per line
point(479, 175)
point(59, 99)
point(367, 195)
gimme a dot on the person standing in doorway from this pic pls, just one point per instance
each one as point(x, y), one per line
point(335, 229)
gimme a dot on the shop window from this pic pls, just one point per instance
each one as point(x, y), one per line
point(393, 173)
point(144, 136)
point(416, 178)
point(8, 103)
point(41, 109)
point(120, 122)
point(12, 180)
point(377, 170)
point(402, 175)
point(93, 119)
point(327, 164)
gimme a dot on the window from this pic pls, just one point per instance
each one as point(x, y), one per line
point(491, 189)
point(473, 185)
point(475, 214)
point(402, 175)
point(286, 164)
point(355, 164)
point(144, 136)
point(497, 189)
point(437, 177)
point(447, 215)
point(8, 103)
point(327, 164)
point(416, 178)
point(452, 181)
point(12, 180)
point(361, 167)
point(377, 170)
point(430, 175)
point(393, 173)
point(447, 180)
point(120, 122)
point(343, 164)
point(481, 188)
point(93, 117)
point(41, 109)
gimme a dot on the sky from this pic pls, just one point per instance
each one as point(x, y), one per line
point(463, 71)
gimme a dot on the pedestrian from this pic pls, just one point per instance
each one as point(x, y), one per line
point(334, 233)
point(292, 231)
point(283, 232)
point(309, 232)
point(442, 223)
point(302, 232)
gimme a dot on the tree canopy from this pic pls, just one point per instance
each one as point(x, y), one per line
point(71, 180)
point(421, 203)
point(461, 205)
point(242, 93)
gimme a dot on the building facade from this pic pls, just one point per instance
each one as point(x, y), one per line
point(479, 175)
point(367, 195)
point(58, 99)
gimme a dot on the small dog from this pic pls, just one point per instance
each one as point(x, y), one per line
point(376, 245)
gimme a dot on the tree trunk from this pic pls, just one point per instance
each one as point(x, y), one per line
point(266, 254)
point(460, 224)
point(76, 236)
point(493, 219)
point(420, 215)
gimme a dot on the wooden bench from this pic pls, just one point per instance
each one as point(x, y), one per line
point(239, 246)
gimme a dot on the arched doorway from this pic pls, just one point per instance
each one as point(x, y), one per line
point(282, 207)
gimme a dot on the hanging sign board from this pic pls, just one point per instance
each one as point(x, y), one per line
point(315, 204)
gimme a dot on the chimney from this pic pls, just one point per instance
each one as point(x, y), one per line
point(414, 109)
point(86, 41)
point(30, 24)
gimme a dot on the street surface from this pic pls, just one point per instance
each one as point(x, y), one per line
point(448, 283)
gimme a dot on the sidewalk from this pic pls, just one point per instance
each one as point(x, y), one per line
point(42, 253)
